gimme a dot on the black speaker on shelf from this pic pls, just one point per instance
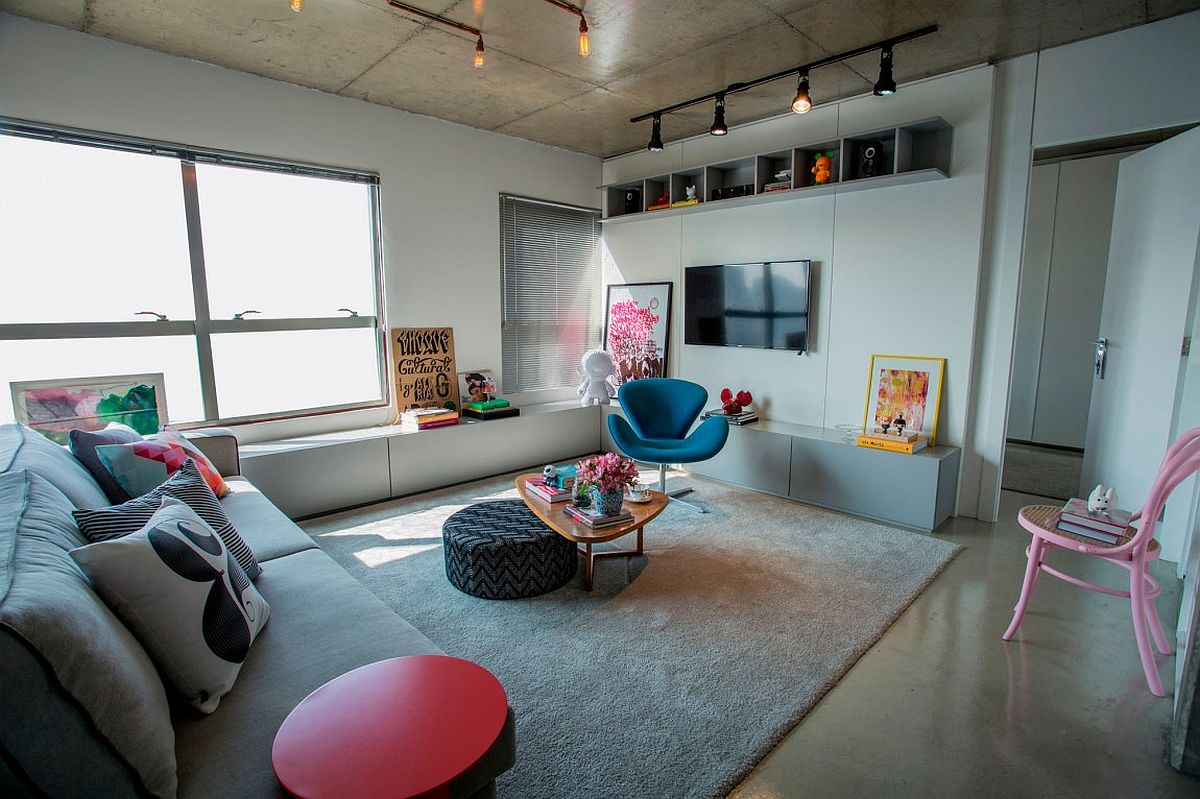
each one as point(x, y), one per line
point(870, 159)
point(633, 201)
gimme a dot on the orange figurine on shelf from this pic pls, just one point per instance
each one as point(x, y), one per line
point(822, 168)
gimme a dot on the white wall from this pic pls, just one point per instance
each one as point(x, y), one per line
point(1138, 79)
point(440, 181)
point(897, 268)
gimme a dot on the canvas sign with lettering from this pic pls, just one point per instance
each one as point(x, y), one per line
point(423, 367)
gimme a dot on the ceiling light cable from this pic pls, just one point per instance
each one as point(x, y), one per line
point(449, 23)
point(802, 102)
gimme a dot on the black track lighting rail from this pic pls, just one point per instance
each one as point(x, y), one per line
point(733, 88)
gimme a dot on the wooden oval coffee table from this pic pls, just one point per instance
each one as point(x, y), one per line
point(405, 727)
point(586, 537)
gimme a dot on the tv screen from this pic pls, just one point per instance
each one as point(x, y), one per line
point(761, 305)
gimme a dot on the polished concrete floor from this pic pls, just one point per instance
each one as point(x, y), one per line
point(941, 707)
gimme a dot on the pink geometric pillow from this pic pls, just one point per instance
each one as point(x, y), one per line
point(143, 466)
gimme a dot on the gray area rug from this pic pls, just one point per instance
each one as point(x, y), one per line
point(684, 667)
point(1037, 470)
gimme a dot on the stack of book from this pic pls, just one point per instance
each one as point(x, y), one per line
point(1105, 526)
point(427, 418)
point(908, 443)
point(490, 409)
point(595, 519)
point(745, 417)
point(778, 185)
point(537, 487)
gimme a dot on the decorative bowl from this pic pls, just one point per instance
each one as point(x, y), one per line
point(850, 431)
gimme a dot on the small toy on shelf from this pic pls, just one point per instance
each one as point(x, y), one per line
point(596, 368)
point(899, 424)
point(734, 404)
point(822, 168)
point(549, 472)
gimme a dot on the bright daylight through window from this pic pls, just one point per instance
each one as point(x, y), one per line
point(253, 288)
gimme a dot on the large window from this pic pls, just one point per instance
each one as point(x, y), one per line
point(252, 285)
point(551, 291)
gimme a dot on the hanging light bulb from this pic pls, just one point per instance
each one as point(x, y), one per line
point(886, 84)
point(656, 144)
point(297, 5)
point(718, 126)
point(479, 53)
point(802, 102)
point(585, 46)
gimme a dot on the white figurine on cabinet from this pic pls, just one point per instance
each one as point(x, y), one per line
point(596, 367)
point(1102, 499)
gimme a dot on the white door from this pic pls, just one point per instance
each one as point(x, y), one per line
point(1149, 297)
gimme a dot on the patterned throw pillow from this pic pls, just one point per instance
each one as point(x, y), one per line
point(142, 466)
point(83, 445)
point(181, 593)
point(187, 485)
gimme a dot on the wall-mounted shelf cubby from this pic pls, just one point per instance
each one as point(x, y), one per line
point(914, 153)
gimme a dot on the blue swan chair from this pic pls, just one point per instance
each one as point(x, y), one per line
point(660, 410)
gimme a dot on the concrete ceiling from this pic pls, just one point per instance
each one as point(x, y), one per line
point(645, 53)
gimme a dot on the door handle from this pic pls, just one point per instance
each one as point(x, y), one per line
point(1101, 357)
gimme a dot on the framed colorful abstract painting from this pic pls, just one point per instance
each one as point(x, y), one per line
point(637, 327)
point(55, 407)
point(905, 385)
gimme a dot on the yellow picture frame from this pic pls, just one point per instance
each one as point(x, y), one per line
point(936, 369)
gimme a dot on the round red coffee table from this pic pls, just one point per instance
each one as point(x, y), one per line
point(404, 727)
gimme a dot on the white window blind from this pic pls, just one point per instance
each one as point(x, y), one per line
point(550, 282)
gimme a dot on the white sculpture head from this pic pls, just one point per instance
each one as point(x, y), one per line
point(596, 365)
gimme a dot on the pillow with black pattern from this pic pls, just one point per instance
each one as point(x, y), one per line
point(180, 592)
point(187, 485)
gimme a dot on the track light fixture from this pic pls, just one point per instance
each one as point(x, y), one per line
point(886, 85)
point(656, 144)
point(585, 45)
point(802, 102)
point(718, 126)
point(449, 23)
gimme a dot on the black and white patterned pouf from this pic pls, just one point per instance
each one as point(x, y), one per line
point(501, 550)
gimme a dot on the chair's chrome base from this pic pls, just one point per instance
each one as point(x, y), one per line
point(674, 496)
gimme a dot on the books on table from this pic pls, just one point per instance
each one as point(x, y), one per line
point(595, 519)
point(745, 417)
point(873, 441)
point(547, 493)
point(427, 418)
point(1106, 526)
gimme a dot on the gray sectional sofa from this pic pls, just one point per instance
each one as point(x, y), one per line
point(82, 712)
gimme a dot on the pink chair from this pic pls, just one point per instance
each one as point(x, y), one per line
point(1134, 552)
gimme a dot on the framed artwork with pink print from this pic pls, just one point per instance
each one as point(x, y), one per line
point(637, 329)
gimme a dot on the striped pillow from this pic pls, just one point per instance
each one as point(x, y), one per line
point(187, 485)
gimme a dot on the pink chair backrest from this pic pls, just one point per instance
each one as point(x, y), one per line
point(1182, 459)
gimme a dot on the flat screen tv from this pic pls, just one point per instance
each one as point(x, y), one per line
point(762, 305)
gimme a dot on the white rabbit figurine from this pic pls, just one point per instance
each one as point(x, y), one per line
point(1102, 499)
point(596, 367)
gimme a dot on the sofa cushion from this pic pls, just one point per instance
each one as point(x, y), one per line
point(187, 485)
point(23, 448)
point(100, 689)
point(83, 445)
point(323, 624)
point(265, 528)
point(178, 587)
point(142, 466)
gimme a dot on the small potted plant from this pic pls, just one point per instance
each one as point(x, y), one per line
point(606, 476)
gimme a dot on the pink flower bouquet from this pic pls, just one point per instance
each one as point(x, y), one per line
point(607, 473)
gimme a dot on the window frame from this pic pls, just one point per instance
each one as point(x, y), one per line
point(203, 327)
point(597, 222)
